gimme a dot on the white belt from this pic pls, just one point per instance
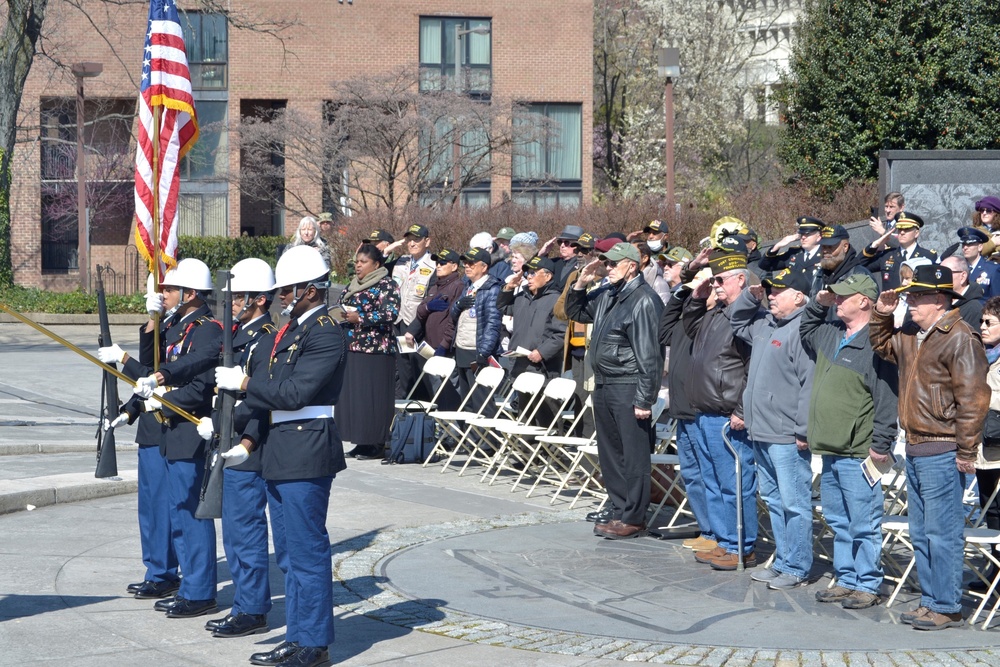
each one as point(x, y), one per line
point(308, 412)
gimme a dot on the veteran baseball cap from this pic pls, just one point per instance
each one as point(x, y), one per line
point(676, 254)
point(539, 263)
point(586, 241)
point(789, 279)
point(856, 283)
point(620, 251)
point(380, 235)
point(473, 255)
point(418, 231)
point(445, 256)
point(833, 234)
point(656, 227)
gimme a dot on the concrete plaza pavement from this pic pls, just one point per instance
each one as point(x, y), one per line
point(430, 568)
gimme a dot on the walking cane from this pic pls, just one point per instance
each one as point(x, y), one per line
point(739, 497)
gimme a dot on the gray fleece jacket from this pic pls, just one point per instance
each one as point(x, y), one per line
point(779, 379)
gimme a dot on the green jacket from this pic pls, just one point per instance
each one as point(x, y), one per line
point(853, 403)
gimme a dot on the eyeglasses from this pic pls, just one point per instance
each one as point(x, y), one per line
point(989, 323)
point(529, 274)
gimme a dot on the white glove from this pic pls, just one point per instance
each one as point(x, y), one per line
point(235, 456)
point(144, 386)
point(116, 422)
point(206, 429)
point(154, 303)
point(230, 378)
point(152, 403)
point(113, 354)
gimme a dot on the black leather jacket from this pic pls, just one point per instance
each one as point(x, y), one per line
point(718, 371)
point(624, 347)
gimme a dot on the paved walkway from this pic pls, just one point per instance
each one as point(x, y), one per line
point(431, 569)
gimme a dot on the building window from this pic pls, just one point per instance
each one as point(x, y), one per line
point(206, 39)
point(548, 172)
point(208, 159)
point(203, 214)
point(437, 55)
point(109, 180)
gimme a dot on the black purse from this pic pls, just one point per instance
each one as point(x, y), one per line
point(991, 429)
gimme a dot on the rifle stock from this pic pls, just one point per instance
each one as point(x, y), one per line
point(210, 501)
point(107, 458)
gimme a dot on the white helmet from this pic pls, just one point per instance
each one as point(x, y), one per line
point(301, 264)
point(189, 274)
point(251, 275)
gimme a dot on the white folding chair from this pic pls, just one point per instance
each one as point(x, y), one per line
point(452, 422)
point(482, 431)
point(983, 543)
point(520, 448)
point(562, 453)
point(439, 367)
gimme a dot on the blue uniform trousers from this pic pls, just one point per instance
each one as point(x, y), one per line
point(194, 538)
point(302, 549)
point(244, 537)
point(158, 553)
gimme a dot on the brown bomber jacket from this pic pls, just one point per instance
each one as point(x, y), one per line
point(943, 395)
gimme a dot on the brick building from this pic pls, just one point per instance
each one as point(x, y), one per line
point(537, 52)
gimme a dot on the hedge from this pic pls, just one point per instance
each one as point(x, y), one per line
point(25, 300)
point(221, 253)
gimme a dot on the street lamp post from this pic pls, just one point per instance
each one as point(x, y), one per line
point(459, 33)
point(669, 67)
point(82, 71)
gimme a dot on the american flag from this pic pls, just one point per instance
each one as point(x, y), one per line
point(166, 83)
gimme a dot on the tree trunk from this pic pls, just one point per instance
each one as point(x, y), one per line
point(22, 25)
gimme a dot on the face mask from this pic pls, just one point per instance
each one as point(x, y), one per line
point(654, 245)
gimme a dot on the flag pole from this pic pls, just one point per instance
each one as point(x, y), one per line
point(156, 232)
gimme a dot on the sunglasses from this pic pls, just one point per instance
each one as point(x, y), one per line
point(611, 263)
point(566, 242)
point(718, 280)
point(990, 323)
point(986, 210)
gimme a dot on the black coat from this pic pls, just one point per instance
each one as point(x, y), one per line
point(248, 356)
point(624, 348)
point(672, 335)
point(535, 328)
point(305, 368)
point(884, 264)
point(189, 350)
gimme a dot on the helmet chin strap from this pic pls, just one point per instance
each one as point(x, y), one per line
point(247, 302)
point(318, 284)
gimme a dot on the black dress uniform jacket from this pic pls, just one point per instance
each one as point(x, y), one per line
point(304, 368)
point(884, 264)
point(249, 357)
point(193, 344)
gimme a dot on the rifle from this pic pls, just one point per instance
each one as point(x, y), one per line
point(107, 459)
point(210, 500)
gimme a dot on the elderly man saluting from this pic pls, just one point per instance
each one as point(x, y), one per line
point(627, 361)
point(943, 399)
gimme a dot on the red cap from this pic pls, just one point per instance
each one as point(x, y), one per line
point(605, 245)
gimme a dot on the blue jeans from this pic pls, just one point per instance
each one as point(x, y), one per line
point(934, 491)
point(853, 510)
point(784, 476)
point(720, 482)
point(693, 474)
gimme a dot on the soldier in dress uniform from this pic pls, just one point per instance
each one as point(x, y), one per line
point(883, 261)
point(301, 450)
point(982, 272)
point(190, 349)
point(158, 555)
point(244, 524)
point(805, 257)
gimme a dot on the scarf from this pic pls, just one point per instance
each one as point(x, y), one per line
point(992, 354)
point(369, 280)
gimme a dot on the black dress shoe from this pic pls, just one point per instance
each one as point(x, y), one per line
point(242, 625)
point(212, 624)
point(191, 608)
point(282, 651)
point(154, 590)
point(307, 656)
point(603, 516)
point(132, 588)
point(165, 604)
point(370, 454)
